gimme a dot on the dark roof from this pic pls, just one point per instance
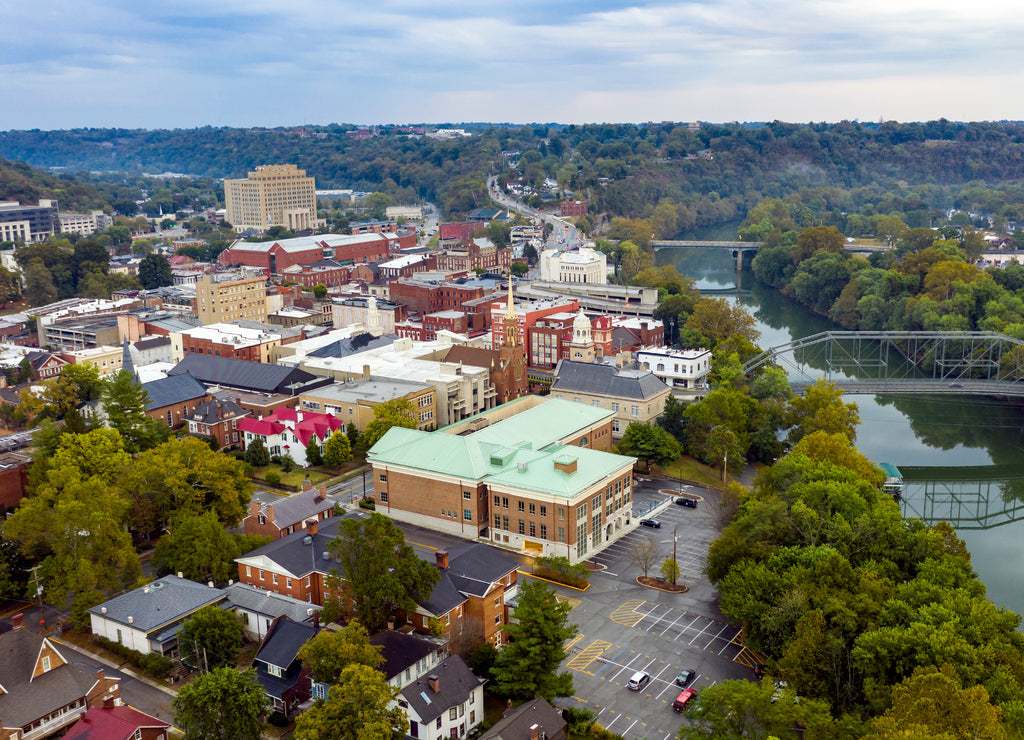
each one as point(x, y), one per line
point(253, 376)
point(353, 345)
point(172, 390)
point(473, 356)
point(283, 642)
point(445, 596)
point(211, 412)
point(144, 344)
point(294, 556)
point(400, 651)
point(299, 507)
point(268, 603)
point(455, 683)
point(112, 723)
point(27, 699)
point(606, 380)
point(474, 567)
point(516, 723)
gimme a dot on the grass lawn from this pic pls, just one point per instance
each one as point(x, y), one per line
point(690, 469)
point(293, 478)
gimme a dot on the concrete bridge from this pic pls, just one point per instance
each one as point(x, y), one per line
point(738, 248)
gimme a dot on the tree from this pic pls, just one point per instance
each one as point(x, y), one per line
point(124, 405)
point(719, 319)
point(821, 409)
point(519, 269)
point(337, 449)
point(314, 456)
point(818, 239)
point(670, 570)
point(38, 281)
point(397, 413)
point(224, 704)
point(185, 477)
point(200, 548)
point(320, 291)
point(380, 574)
point(155, 272)
point(528, 665)
point(643, 554)
point(330, 652)
point(211, 638)
point(14, 570)
point(256, 453)
point(649, 443)
point(357, 707)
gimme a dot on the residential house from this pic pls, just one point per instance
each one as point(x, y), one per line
point(118, 723)
point(445, 703)
point(686, 368)
point(45, 364)
point(41, 692)
point(258, 608)
point(173, 398)
point(217, 418)
point(632, 395)
point(147, 619)
point(534, 720)
point(288, 431)
point(14, 467)
point(285, 679)
point(284, 516)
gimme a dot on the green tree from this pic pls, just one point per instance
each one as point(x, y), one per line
point(314, 456)
point(14, 570)
point(821, 409)
point(397, 413)
point(818, 239)
point(185, 477)
point(528, 665)
point(85, 380)
point(337, 449)
point(211, 638)
point(199, 547)
point(124, 405)
point(358, 707)
point(256, 453)
point(224, 704)
point(720, 319)
point(331, 651)
point(670, 570)
point(155, 272)
point(650, 443)
point(38, 282)
point(320, 291)
point(379, 572)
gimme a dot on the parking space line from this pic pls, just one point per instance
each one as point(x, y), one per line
point(610, 662)
point(668, 686)
point(681, 615)
point(624, 667)
point(629, 728)
point(716, 636)
point(701, 632)
point(608, 726)
point(667, 665)
point(684, 629)
point(626, 614)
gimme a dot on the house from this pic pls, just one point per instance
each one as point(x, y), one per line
point(534, 720)
point(445, 703)
point(216, 418)
point(14, 467)
point(356, 400)
point(173, 398)
point(148, 618)
point(45, 364)
point(284, 516)
point(632, 395)
point(258, 608)
point(285, 679)
point(118, 723)
point(288, 431)
point(686, 368)
point(41, 692)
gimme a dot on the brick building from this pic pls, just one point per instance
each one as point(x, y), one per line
point(287, 515)
point(217, 418)
point(230, 296)
point(406, 266)
point(478, 254)
point(253, 341)
point(344, 249)
point(573, 208)
point(425, 297)
point(528, 314)
point(322, 272)
point(450, 234)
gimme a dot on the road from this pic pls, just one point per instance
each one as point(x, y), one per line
point(564, 234)
point(344, 492)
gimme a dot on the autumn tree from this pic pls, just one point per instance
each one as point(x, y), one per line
point(337, 449)
point(818, 239)
point(528, 665)
point(224, 704)
point(397, 413)
point(359, 706)
point(331, 651)
point(378, 572)
point(821, 408)
point(199, 547)
point(719, 319)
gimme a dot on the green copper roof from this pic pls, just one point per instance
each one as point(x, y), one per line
point(542, 425)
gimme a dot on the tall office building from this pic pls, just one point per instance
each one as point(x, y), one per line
point(27, 224)
point(272, 195)
point(224, 297)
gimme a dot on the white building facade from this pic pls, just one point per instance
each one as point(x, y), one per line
point(585, 266)
point(686, 368)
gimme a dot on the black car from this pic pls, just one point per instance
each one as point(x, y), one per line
point(689, 503)
point(650, 523)
point(685, 677)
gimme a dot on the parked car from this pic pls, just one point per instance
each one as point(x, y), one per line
point(685, 677)
point(654, 523)
point(638, 680)
point(690, 503)
point(681, 702)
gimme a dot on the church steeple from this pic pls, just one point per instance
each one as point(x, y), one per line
point(511, 319)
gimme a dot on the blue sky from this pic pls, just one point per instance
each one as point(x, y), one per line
point(184, 63)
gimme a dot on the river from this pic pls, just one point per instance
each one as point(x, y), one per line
point(942, 438)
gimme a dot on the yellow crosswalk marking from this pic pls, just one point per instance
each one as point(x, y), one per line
point(582, 660)
point(626, 614)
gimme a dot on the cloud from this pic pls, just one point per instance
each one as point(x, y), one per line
point(263, 62)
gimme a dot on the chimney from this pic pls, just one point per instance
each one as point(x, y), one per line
point(310, 526)
point(434, 683)
point(18, 620)
point(535, 732)
point(441, 557)
point(99, 674)
point(366, 371)
point(307, 484)
point(316, 619)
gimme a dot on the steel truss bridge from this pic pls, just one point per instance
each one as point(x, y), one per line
point(967, 497)
point(958, 362)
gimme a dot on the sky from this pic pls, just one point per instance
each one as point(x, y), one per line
point(186, 63)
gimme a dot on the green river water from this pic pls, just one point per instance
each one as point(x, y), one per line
point(961, 455)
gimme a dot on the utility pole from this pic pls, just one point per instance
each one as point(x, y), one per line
point(39, 593)
point(675, 563)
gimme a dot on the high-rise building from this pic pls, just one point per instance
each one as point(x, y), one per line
point(272, 195)
point(224, 297)
point(26, 224)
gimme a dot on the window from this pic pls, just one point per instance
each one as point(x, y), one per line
point(467, 514)
point(521, 506)
point(504, 502)
point(533, 508)
point(522, 527)
point(634, 411)
point(383, 477)
point(497, 521)
point(533, 529)
point(543, 531)
point(561, 512)
point(439, 718)
point(467, 495)
point(261, 575)
point(453, 713)
point(288, 582)
point(497, 619)
point(261, 519)
point(307, 581)
point(273, 577)
point(504, 525)
point(596, 402)
point(248, 571)
point(615, 407)
point(497, 601)
point(615, 425)
point(497, 500)
point(46, 663)
point(383, 497)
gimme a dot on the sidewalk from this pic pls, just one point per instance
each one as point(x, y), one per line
point(119, 668)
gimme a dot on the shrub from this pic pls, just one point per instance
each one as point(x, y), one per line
point(277, 719)
point(272, 477)
point(367, 503)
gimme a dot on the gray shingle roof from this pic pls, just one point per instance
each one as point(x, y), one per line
point(353, 345)
point(281, 645)
point(517, 722)
point(299, 507)
point(144, 344)
point(294, 556)
point(445, 596)
point(172, 390)
point(267, 603)
point(455, 682)
point(160, 603)
point(587, 377)
point(254, 376)
point(211, 412)
point(474, 567)
point(400, 651)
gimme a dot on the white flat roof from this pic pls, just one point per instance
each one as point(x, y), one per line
point(239, 336)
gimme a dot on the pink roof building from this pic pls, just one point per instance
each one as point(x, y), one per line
point(287, 431)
